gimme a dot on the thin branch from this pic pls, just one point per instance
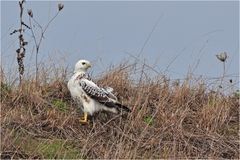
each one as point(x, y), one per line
point(31, 28)
point(150, 67)
point(149, 35)
point(50, 22)
point(37, 24)
point(38, 43)
point(21, 50)
point(42, 34)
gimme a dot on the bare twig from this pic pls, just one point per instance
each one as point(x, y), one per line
point(222, 57)
point(149, 35)
point(21, 50)
point(43, 30)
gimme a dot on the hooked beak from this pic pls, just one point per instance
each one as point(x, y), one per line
point(89, 65)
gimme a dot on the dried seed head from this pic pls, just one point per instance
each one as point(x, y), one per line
point(21, 1)
point(30, 13)
point(25, 43)
point(60, 6)
point(222, 56)
point(18, 50)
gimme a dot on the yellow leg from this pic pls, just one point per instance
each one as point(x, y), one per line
point(84, 119)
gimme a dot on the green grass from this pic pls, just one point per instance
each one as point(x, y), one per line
point(148, 120)
point(59, 104)
point(58, 149)
point(237, 93)
point(48, 148)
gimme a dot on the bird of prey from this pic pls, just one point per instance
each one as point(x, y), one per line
point(89, 95)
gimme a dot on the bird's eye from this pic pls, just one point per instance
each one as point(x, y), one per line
point(83, 63)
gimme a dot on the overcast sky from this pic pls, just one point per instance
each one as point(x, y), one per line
point(107, 32)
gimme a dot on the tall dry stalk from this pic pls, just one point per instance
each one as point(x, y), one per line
point(37, 42)
point(21, 50)
point(222, 57)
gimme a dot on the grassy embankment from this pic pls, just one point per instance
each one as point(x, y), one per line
point(168, 120)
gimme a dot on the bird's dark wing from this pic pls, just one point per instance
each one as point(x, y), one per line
point(101, 95)
point(93, 91)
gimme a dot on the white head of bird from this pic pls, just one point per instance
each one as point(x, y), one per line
point(82, 66)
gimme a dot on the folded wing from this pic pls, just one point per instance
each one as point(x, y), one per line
point(101, 95)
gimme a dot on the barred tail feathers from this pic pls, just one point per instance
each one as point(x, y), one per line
point(118, 106)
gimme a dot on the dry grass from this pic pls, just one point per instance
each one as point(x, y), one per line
point(168, 120)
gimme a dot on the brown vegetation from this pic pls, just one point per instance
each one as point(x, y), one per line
point(167, 121)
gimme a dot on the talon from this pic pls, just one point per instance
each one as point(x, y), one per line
point(84, 119)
